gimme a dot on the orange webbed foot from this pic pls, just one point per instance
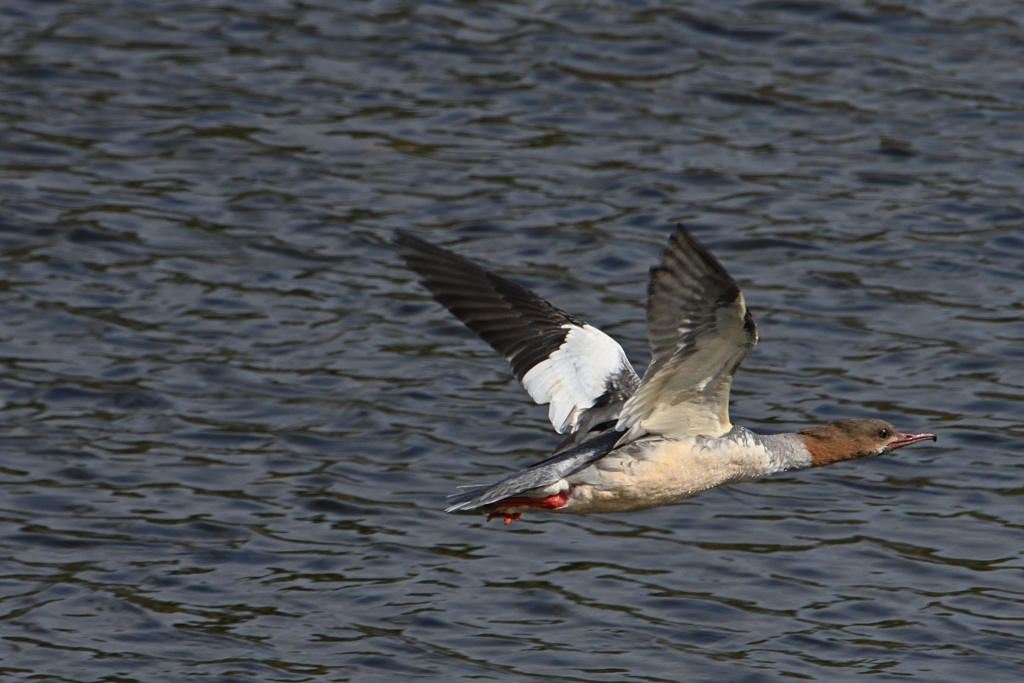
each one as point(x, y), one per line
point(509, 516)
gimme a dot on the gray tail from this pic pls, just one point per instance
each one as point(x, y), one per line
point(544, 473)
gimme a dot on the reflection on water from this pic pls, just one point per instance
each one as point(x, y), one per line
point(231, 417)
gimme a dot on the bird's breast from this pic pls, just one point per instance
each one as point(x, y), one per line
point(647, 474)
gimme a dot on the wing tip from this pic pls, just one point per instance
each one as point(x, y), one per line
point(409, 246)
point(400, 238)
point(681, 237)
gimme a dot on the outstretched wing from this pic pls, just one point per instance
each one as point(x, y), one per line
point(560, 360)
point(700, 331)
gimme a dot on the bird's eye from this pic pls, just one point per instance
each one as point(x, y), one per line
point(883, 434)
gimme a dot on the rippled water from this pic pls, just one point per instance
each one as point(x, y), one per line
point(230, 418)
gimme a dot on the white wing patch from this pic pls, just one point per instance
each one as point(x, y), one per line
point(575, 375)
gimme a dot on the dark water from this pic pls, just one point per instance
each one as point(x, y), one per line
point(229, 418)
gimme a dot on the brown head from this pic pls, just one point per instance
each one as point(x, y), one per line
point(854, 439)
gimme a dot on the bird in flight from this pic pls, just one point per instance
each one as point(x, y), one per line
point(632, 443)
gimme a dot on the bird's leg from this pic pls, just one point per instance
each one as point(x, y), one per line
point(509, 516)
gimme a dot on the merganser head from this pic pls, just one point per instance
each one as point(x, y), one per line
point(855, 439)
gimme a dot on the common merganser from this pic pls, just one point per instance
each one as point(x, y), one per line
point(632, 444)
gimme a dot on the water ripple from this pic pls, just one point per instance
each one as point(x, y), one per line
point(230, 418)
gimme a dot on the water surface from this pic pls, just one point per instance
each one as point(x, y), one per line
point(230, 418)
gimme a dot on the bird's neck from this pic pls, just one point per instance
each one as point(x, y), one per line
point(783, 451)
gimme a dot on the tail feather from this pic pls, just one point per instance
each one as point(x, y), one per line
point(542, 474)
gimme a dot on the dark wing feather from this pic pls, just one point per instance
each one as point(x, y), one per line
point(582, 372)
point(517, 323)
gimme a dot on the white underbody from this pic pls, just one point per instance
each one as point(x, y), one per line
point(654, 472)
